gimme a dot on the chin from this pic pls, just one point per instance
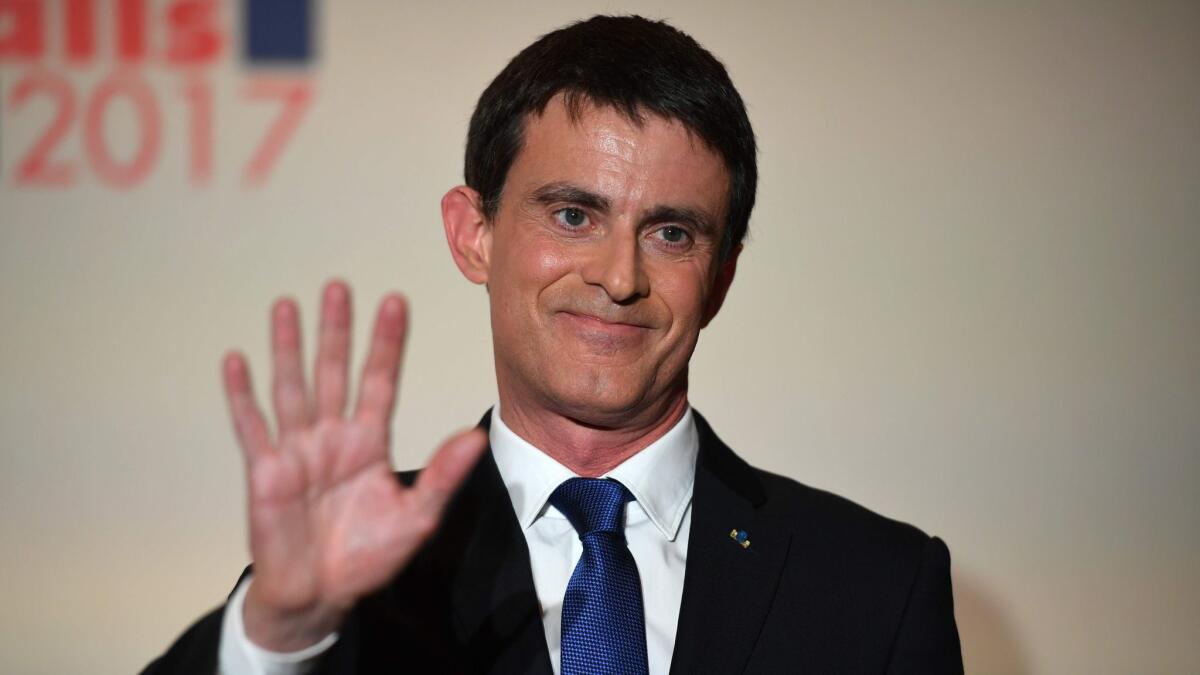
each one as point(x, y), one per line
point(599, 401)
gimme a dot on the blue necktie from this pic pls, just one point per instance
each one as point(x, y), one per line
point(603, 624)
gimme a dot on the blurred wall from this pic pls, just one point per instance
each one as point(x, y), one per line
point(971, 299)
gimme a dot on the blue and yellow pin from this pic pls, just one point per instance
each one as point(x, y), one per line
point(741, 537)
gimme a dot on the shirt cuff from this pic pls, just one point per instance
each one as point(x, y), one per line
point(239, 656)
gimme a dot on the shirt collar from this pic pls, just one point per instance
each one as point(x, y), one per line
point(660, 476)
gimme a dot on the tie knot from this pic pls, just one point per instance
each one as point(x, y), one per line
point(592, 504)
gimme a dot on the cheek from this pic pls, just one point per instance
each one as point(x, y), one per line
point(525, 267)
point(547, 261)
point(684, 295)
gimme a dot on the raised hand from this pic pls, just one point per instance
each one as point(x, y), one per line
point(329, 523)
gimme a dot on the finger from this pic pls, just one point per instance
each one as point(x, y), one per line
point(446, 471)
point(287, 385)
point(333, 351)
point(248, 422)
point(377, 388)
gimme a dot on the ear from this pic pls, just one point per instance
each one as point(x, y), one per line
point(468, 232)
point(721, 286)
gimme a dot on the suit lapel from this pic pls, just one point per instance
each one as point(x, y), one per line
point(493, 597)
point(727, 588)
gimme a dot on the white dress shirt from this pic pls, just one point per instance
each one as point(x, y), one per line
point(656, 526)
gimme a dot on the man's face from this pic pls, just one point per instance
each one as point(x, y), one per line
point(603, 262)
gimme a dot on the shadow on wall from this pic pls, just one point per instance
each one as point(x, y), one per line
point(989, 642)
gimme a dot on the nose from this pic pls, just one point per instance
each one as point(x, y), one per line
point(616, 265)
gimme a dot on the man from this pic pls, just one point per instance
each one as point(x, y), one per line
point(594, 522)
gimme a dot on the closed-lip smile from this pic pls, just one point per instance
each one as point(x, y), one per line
point(595, 323)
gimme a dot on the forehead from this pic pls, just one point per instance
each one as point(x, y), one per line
point(602, 149)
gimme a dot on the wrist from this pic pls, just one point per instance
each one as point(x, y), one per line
point(286, 630)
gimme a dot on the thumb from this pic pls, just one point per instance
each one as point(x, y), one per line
point(447, 469)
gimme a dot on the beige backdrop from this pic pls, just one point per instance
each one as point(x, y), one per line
point(971, 301)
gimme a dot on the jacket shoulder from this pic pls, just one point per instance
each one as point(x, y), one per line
point(875, 591)
point(810, 509)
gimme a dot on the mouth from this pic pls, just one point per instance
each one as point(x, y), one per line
point(600, 328)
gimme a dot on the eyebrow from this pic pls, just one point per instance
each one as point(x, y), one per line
point(553, 193)
point(561, 192)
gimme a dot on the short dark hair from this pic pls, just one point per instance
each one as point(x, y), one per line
point(636, 66)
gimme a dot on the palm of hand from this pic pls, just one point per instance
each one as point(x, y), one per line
point(328, 505)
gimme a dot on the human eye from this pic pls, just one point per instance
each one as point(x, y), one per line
point(572, 218)
point(673, 236)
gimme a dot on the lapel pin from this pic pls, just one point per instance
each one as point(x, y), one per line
point(741, 537)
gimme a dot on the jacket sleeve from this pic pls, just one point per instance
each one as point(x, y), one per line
point(195, 652)
point(927, 640)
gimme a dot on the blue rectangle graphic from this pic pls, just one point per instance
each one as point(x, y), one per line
point(278, 31)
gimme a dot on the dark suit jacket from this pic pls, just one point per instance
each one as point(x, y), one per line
point(825, 586)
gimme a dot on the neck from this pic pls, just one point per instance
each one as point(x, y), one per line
point(587, 449)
